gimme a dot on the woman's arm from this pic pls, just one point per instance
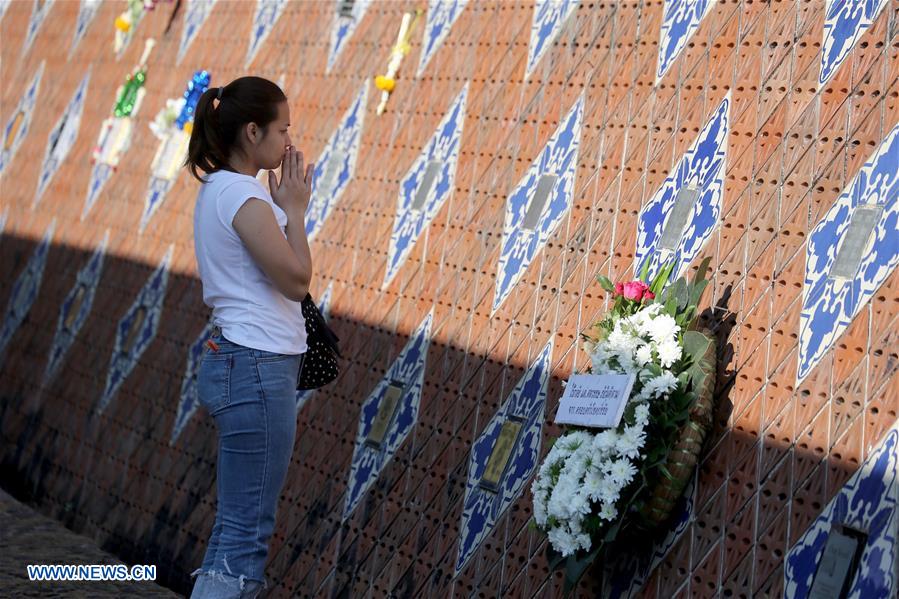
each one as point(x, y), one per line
point(286, 262)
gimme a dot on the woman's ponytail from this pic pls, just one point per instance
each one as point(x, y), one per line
point(220, 114)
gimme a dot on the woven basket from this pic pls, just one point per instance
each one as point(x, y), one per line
point(682, 457)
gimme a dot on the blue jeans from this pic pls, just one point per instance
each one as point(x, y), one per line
point(251, 395)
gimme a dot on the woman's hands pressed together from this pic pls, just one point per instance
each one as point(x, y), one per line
point(292, 192)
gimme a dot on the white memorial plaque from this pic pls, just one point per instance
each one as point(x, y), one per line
point(596, 400)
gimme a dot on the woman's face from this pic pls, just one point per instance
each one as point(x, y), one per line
point(270, 149)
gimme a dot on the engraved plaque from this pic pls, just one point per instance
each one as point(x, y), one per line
point(384, 417)
point(502, 451)
point(345, 8)
point(684, 202)
point(838, 564)
point(538, 201)
point(427, 182)
point(855, 240)
point(332, 170)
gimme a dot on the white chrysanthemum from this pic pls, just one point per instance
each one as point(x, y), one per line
point(641, 414)
point(669, 352)
point(623, 471)
point(661, 385)
point(608, 511)
point(662, 328)
point(606, 440)
point(644, 354)
point(563, 541)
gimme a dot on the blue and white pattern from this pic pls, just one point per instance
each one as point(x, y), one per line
point(62, 138)
point(86, 13)
point(342, 29)
point(441, 16)
point(844, 23)
point(195, 16)
point(4, 4)
point(14, 132)
point(829, 304)
point(72, 315)
point(869, 501)
point(190, 400)
point(38, 15)
point(368, 461)
point(702, 166)
point(267, 14)
point(519, 244)
point(143, 313)
point(481, 507)
point(324, 306)
point(411, 218)
point(549, 16)
point(25, 290)
point(681, 20)
point(336, 165)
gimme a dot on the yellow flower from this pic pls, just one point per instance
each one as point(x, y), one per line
point(188, 127)
point(122, 24)
point(385, 83)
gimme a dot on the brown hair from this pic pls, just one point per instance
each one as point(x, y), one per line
point(214, 135)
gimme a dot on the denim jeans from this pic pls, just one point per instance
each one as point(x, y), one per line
point(251, 395)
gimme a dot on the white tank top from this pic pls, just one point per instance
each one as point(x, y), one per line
point(245, 304)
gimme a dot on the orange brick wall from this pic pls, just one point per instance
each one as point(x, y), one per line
point(780, 450)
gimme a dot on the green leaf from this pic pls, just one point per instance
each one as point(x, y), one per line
point(695, 345)
point(576, 566)
point(605, 283)
point(644, 269)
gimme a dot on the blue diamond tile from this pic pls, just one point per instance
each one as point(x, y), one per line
point(267, 14)
point(830, 303)
point(549, 17)
point(409, 370)
point(62, 138)
point(149, 301)
point(526, 230)
point(681, 20)
point(481, 507)
point(38, 15)
point(25, 289)
point(100, 174)
point(189, 398)
point(195, 14)
point(869, 501)
point(13, 139)
point(75, 309)
point(844, 23)
point(324, 306)
point(342, 29)
point(441, 16)
point(86, 13)
point(426, 186)
point(702, 168)
point(336, 164)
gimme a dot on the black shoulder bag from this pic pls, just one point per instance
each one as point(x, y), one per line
point(320, 365)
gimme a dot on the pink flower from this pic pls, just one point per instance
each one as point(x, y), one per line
point(619, 289)
point(649, 295)
point(634, 290)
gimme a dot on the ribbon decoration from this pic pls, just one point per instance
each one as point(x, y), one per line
point(387, 82)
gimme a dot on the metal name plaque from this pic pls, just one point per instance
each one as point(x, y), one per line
point(502, 451)
point(677, 218)
point(855, 240)
point(538, 201)
point(838, 563)
point(427, 182)
point(384, 417)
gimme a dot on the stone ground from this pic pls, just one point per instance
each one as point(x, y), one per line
point(28, 537)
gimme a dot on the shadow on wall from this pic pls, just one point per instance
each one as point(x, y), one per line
point(115, 477)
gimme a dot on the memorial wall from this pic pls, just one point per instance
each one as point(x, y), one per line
point(478, 164)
